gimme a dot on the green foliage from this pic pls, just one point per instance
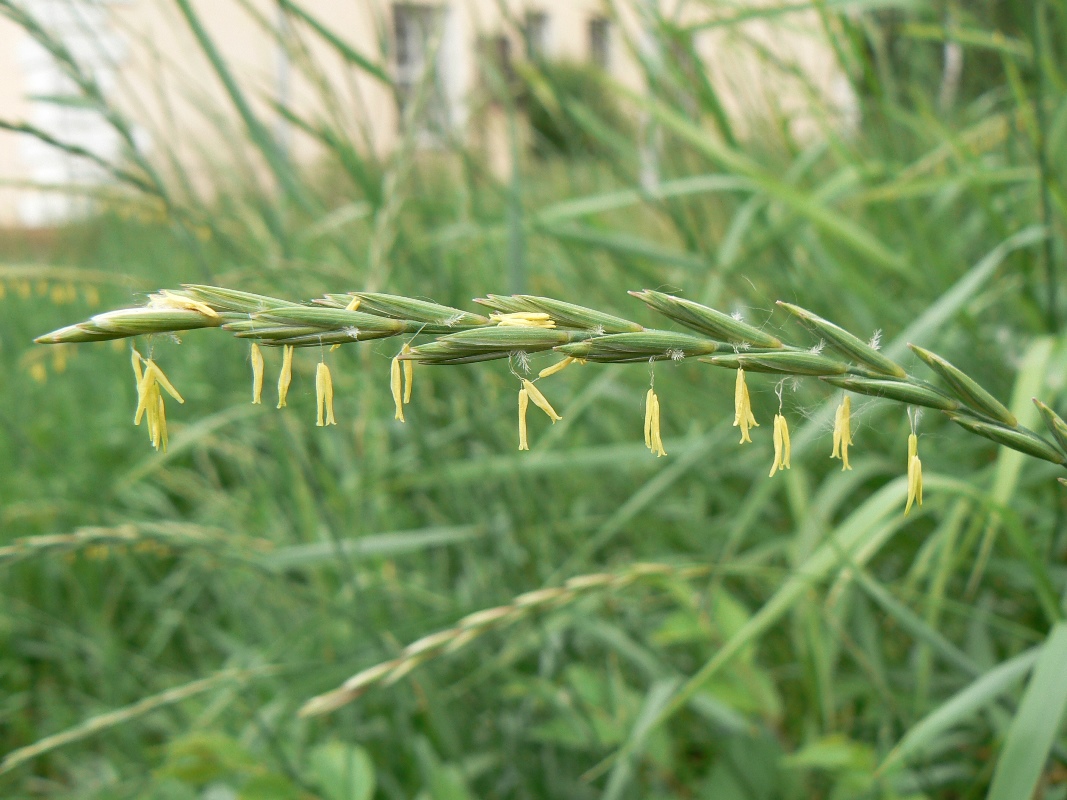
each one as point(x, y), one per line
point(168, 615)
point(570, 107)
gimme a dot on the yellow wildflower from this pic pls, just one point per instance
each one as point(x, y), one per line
point(324, 395)
point(396, 388)
point(843, 433)
point(257, 375)
point(743, 417)
point(523, 319)
point(915, 473)
point(524, 403)
point(653, 440)
point(285, 377)
point(540, 400)
point(782, 447)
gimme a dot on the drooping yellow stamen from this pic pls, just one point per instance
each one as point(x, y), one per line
point(150, 401)
point(353, 304)
point(782, 446)
point(161, 379)
point(523, 319)
point(743, 417)
point(135, 357)
point(152, 377)
point(324, 395)
point(540, 400)
point(161, 423)
point(409, 372)
point(395, 381)
point(285, 377)
point(257, 375)
point(786, 442)
point(657, 440)
point(650, 406)
point(843, 432)
point(524, 403)
point(559, 366)
point(915, 474)
point(153, 400)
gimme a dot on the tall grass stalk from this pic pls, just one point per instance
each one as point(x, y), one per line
point(801, 638)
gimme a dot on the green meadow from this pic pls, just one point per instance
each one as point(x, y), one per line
point(706, 631)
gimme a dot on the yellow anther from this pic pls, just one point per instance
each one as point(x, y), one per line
point(150, 400)
point(843, 432)
point(257, 375)
point(540, 400)
point(523, 319)
point(657, 440)
point(153, 376)
point(353, 304)
point(743, 417)
point(395, 386)
point(559, 366)
point(285, 377)
point(135, 357)
point(915, 474)
point(782, 446)
point(166, 299)
point(653, 441)
point(650, 406)
point(409, 372)
point(524, 403)
point(324, 395)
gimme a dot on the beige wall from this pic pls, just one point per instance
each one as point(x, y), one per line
point(161, 78)
point(14, 107)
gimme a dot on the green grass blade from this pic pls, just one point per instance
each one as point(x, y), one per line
point(373, 545)
point(1036, 724)
point(962, 706)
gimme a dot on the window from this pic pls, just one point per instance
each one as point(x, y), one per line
point(535, 32)
point(600, 42)
point(494, 53)
point(416, 28)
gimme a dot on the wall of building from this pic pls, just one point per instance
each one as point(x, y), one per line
point(144, 55)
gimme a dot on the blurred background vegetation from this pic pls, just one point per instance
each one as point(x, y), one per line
point(168, 614)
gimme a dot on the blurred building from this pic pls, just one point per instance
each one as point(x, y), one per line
point(326, 60)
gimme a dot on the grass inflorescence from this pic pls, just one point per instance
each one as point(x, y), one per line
point(168, 615)
point(527, 324)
